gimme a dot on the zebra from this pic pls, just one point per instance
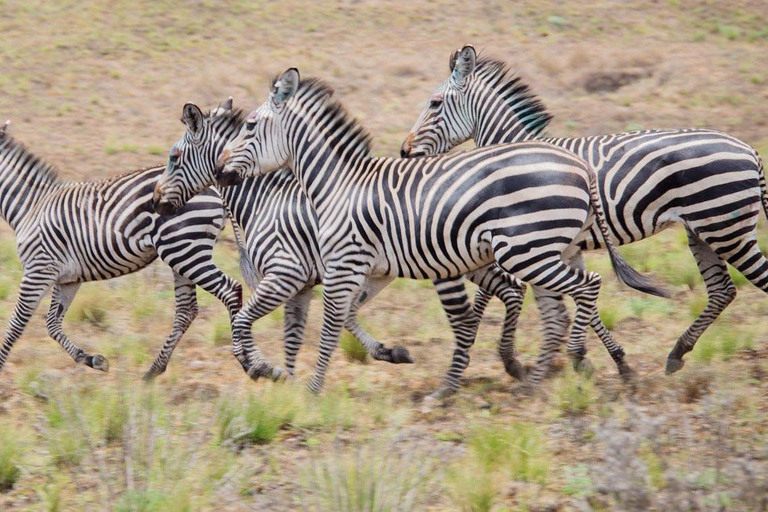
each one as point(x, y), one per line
point(279, 256)
point(381, 218)
point(706, 180)
point(282, 261)
point(68, 233)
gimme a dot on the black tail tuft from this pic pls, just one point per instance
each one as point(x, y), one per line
point(633, 278)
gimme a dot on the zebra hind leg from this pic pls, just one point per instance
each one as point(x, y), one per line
point(63, 294)
point(295, 320)
point(555, 319)
point(492, 281)
point(186, 312)
point(378, 351)
point(33, 287)
point(720, 290)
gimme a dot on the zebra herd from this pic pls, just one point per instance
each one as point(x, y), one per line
point(310, 204)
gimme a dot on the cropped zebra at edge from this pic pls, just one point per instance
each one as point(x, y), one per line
point(709, 181)
point(430, 218)
point(68, 233)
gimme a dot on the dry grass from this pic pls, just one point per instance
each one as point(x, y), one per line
point(99, 91)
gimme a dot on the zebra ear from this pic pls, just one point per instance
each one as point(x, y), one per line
point(285, 86)
point(452, 60)
point(4, 127)
point(192, 116)
point(227, 105)
point(464, 64)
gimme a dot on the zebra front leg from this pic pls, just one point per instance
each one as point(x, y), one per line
point(63, 294)
point(272, 292)
point(186, 312)
point(464, 324)
point(295, 320)
point(720, 290)
point(377, 350)
point(34, 284)
point(493, 281)
point(340, 290)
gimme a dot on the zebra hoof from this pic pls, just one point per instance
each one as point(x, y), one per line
point(440, 394)
point(279, 375)
point(400, 355)
point(584, 367)
point(673, 365)
point(514, 369)
point(151, 375)
point(99, 362)
point(627, 374)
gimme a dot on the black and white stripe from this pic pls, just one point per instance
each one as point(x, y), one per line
point(523, 207)
point(280, 258)
point(708, 181)
point(68, 233)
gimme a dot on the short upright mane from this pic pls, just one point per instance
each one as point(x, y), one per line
point(316, 97)
point(25, 160)
point(227, 121)
point(516, 93)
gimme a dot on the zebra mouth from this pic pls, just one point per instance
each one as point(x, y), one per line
point(414, 154)
point(163, 208)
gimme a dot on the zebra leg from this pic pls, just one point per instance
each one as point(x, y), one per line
point(63, 294)
point(464, 322)
point(296, 310)
point(554, 317)
point(340, 290)
point(494, 281)
point(377, 350)
point(186, 312)
point(33, 286)
point(720, 290)
point(272, 292)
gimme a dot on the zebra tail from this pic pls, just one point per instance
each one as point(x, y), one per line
point(625, 273)
point(761, 181)
point(246, 265)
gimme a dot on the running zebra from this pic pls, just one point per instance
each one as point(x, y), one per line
point(68, 233)
point(280, 258)
point(432, 218)
point(708, 181)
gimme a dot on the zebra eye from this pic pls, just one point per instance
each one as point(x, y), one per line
point(175, 154)
point(435, 103)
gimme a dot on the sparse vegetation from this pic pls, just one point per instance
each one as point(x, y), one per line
point(99, 93)
point(353, 349)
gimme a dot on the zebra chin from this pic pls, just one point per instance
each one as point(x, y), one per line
point(163, 208)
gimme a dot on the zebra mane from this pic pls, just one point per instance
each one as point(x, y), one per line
point(26, 161)
point(516, 93)
point(228, 121)
point(315, 97)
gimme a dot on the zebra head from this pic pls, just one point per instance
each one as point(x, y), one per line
point(447, 120)
point(192, 160)
point(480, 100)
point(262, 145)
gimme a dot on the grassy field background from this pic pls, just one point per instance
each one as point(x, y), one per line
point(97, 89)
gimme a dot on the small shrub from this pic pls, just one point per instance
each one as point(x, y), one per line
point(577, 481)
point(472, 486)
point(353, 349)
point(334, 409)
point(259, 419)
point(527, 459)
point(573, 393)
point(611, 313)
point(89, 308)
point(737, 277)
point(10, 454)
point(374, 477)
point(66, 444)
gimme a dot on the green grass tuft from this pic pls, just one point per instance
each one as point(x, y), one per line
point(352, 348)
point(573, 394)
point(10, 457)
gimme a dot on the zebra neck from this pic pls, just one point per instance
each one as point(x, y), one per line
point(325, 171)
point(499, 124)
point(25, 181)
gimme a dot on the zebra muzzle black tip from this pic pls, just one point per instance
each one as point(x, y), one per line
point(163, 208)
